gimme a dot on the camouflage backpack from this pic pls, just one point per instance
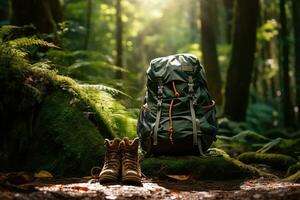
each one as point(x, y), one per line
point(178, 115)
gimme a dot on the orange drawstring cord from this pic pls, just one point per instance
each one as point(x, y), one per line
point(175, 90)
point(171, 130)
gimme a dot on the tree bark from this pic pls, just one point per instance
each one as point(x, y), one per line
point(88, 24)
point(209, 49)
point(44, 15)
point(4, 11)
point(119, 38)
point(242, 59)
point(296, 22)
point(286, 100)
point(192, 20)
point(229, 18)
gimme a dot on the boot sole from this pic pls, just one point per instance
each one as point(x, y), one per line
point(107, 179)
point(132, 180)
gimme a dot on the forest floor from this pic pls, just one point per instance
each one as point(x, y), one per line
point(83, 188)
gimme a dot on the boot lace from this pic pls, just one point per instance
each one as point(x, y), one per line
point(130, 160)
point(111, 160)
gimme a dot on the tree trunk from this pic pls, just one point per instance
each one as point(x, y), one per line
point(88, 24)
point(229, 16)
point(4, 11)
point(285, 78)
point(296, 22)
point(209, 49)
point(42, 14)
point(119, 39)
point(242, 59)
point(192, 20)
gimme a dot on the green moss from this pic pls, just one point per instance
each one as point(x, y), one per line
point(78, 142)
point(277, 161)
point(294, 178)
point(217, 168)
point(282, 146)
point(122, 122)
point(50, 123)
point(293, 169)
point(244, 141)
point(88, 100)
point(250, 137)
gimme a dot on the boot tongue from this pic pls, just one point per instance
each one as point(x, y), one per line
point(131, 144)
point(113, 144)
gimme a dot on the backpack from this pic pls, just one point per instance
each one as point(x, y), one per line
point(178, 116)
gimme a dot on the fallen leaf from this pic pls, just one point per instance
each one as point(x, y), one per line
point(180, 177)
point(43, 174)
point(79, 188)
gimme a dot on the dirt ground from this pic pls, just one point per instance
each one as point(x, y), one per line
point(52, 189)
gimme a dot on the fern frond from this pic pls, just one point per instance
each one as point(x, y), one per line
point(105, 88)
point(6, 29)
point(25, 42)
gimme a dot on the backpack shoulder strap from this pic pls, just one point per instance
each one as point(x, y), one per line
point(193, 115)
point(159, 107)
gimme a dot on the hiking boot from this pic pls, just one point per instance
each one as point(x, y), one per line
point(112, 162)
point(131, 170)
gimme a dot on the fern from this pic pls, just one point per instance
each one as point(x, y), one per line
point(25, 42)
point(105, 88)
point(6, 30)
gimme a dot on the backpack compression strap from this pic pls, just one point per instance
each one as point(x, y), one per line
point(196, 141)
point(159, 102)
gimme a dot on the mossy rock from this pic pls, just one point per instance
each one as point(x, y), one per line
point(51, 123)
point(293, 169)
point(277, 161)
point(212, 168)
point(73, 143)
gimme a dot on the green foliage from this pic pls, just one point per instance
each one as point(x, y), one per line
point(283, 146)
point(25, 42)
point(193, 48)
point(261, 117)
point(244, 141)
point(122, 122)
point(277, 161)
point(268, 30)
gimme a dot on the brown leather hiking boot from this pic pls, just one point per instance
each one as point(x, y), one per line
point(131, 170)
point(112, 162)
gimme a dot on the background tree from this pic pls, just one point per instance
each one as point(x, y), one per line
point(119, 38)
point(284, 61)
point(88, 23)
point(228, 18)
point(242, 59)
point(296, 22)
point(208, 13)
point(44, 15)
point(4, 11)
